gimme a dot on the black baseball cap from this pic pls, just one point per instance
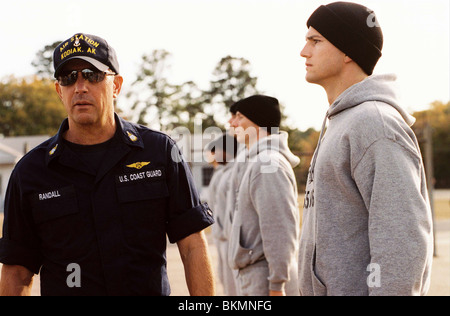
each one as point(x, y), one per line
point(93, 49)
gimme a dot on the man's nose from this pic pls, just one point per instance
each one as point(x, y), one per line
point(81, 84)
point(233, 122)
point(304, 52)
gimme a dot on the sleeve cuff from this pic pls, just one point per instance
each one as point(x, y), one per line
point(277, 286)
point(14, 254)
point(191, 221)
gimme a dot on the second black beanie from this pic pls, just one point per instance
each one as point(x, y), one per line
point(262, 110)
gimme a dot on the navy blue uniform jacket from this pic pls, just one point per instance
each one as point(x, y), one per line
point(113, 223)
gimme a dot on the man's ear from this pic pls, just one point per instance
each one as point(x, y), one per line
point(58, 89)
point(347, 59)
point(118, 81)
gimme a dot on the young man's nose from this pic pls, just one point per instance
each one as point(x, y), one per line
point(305, 52)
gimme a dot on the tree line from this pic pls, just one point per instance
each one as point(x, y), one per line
point(30, 106)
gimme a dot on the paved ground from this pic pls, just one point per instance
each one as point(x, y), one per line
point(440, 278)
point(440, 281)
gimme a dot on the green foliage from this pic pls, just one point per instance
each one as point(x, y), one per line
point(155, 100)
point(438, 116)
point(152, 94)
point(43, 61)
point(302, 144)
point(29, 106)
point(231, 82)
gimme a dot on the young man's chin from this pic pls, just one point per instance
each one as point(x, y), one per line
point(247, 136)
point(311, 78)
point(240, 137)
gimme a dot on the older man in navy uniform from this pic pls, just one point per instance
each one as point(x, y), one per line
point(101, 196)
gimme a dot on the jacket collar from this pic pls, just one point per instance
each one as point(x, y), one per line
point(126, 132)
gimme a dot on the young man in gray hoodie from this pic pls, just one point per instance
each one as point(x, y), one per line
point(223, 151)
point(264, 235)
point(367, 227)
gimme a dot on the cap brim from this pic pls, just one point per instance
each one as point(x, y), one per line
point(100, 66)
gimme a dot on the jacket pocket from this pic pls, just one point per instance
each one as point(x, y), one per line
point(54, 204)
point(319, 288)
point(142, 191)
point(58, 222)
point(143, 209)
point(244, 257)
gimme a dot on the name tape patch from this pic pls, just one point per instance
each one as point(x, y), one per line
point(53, 194)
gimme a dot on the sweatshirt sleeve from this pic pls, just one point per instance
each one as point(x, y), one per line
point(391, 180)
point(275, 199)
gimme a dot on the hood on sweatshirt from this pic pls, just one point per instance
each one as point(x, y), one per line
point(374, 88)
point(276, 143)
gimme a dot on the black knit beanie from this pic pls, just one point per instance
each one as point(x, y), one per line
point(233, 109)
point(262, 110)
point(353, 29)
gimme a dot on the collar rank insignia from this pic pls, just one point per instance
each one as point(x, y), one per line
point(138, 165)
point(52, 152)
point(132, 137)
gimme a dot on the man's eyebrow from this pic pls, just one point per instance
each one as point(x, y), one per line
point(312, 37)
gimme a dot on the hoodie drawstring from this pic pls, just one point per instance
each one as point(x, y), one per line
point(316, 152)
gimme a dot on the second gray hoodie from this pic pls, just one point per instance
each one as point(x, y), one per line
point(266, 219)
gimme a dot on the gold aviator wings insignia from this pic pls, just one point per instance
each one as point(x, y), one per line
point(138, 165)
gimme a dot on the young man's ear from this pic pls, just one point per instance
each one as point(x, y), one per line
point(347, 59)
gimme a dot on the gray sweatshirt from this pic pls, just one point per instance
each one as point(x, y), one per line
point(367, 226)
point(213, 202)
point(266, 219)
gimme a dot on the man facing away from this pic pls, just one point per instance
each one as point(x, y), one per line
point(367, 226)
point(263, 243)
point(91, 208)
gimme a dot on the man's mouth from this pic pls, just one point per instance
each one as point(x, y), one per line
point(82, 103)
